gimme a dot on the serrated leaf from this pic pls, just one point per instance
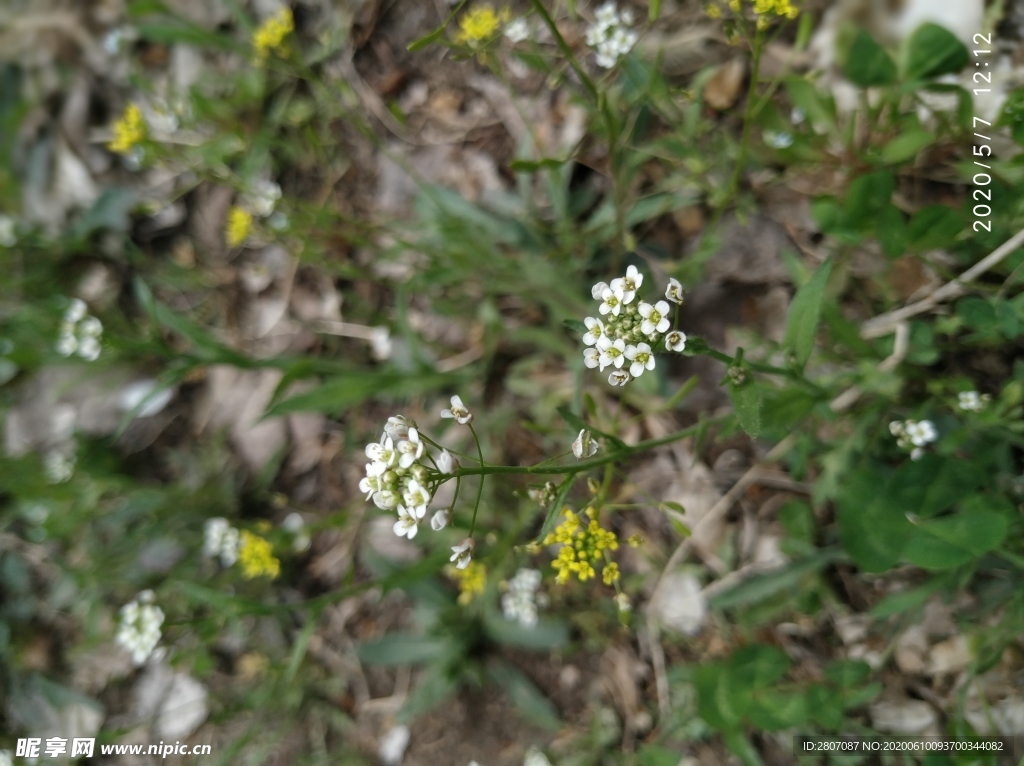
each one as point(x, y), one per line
point(804, 313)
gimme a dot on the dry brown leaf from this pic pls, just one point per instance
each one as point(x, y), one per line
point(723, 88)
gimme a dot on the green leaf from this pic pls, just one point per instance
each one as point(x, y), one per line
point(653, 10)
point(907, 601)
point(172, 31)
point(556, 508)
point(762, 587)
point(818, 108)
point(847, 672)
point(546, 634)
point(906, 146)
point(873, 527)
point(932, 51)
point(741, 747)
point(524, 694)
point(402, 649)
point(111, 211)
point(953, 541)
point(867, 63)
point(656, 755)
point(773, 709)
point(575, 325)
point(532, 166)
point(804, 313)
point(934, 226)
point(432, 688)
point(355, 387)
point(438, 33)
point(746, 400)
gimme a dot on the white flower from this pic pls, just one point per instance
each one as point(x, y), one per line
point(67, 345)
point(6, 758)
point(393, 744)
point(642, 358)
point(446, 463)
point(462, 553)
point(371, 482)
point(612, 352)
point(89, 349)
point(675, 341)
point(220, 539)
point(777, 139)
point(674, 291)
point(410, 449)
point(584, 446)
point(518, 30)
point(398, 427)
point(535, 757)
point(611, 301)
point(91, 326)
point(972, 401)
point(58, 467)
point(416, 498)
point(76, 311)
point(440, 520)
point(595, 330)
point(797, 115)
point(139, 631)
point(598, 290)
point(386, 499)
point(628, 285)
point(921, 433)
point(619, 378)
point(519, 602)
point(655, 319)
point(916, 453)
point(407, 524)
point(380, 343)
point(384, 452)
point(457, 411)
point(262, 197)
point(896, 428)
point(623, 602)
point(591, 357)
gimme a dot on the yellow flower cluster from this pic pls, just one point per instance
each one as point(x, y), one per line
point(269, 36)
point(480, 23)
point(256, 556)
point(471, 581)
point(582, 546)
point(128, 131)
point(778, 7)
point(239, 226)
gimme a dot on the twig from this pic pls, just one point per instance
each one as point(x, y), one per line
point(886, 323)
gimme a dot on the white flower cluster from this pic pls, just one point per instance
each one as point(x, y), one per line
point(398, 479)
point(79, 332)
point(262, 197)
point(517, 30)
point(972, 401)
point(139, 631)
point(520, 600)
point(915, 434)
point(627, 331)
point(610, 34)
point(543, 495)
point(220, 539)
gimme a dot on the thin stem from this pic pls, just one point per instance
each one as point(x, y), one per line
point(480, 488)
point(566, 50)
point(586, 465)
point(747, 115)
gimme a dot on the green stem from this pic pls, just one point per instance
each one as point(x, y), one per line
point(566, 50)
point(480, 488)
point(747, 116)
point(586, 465)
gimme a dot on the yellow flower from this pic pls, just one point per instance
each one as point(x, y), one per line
point(778, 7)
point(239, 226)
point(610, 574)
point(480, 23)
point(269, 36)
point(734, 5)
point(471, 581)
point(256, 557)
point(713, 11)
point(128, 131)
point(582, 545)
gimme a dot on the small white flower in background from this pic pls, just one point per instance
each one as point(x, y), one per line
point(262, 197)
point(610, 34)
point(458, 411)
point(79, 332)
point(972, 401)
point(392, 745)
point(58, 467)
point(675, 341)
point(622, 600)
point(440, 520)
point(407, 524)
point(797, 116)
point(519, 601)
point(380, 343)
point(655, 317)
point(220, 539)
point(619, 378)
point(139, 631)
point(776, 139)
point(446, 463)
point(296, 525)
point(598, 290)
point(517, 30)
point(543, 495)
point(674, 291)
point(462, 553)
point(641, 358)
point(7, 236)
point(913, 434)
point(584, 446)
point(535, 757)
